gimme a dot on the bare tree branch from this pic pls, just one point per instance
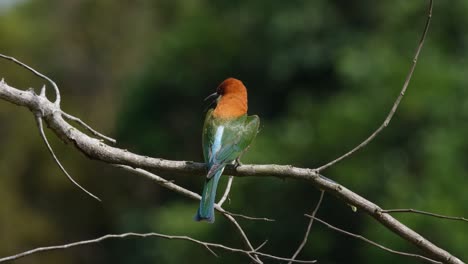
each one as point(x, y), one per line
point(87, 127)
point(374, 243)
point(309, 226)
point(31, 69)
point(187, 193)
point(397, 101)
point(246, 240)
point(250, 217)
point(163, 182)
point(41, 131)
point(207, 245)
point(261, 245)
point(226, 192)
point(458, 218)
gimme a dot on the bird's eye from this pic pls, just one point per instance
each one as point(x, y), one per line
point(219, 90)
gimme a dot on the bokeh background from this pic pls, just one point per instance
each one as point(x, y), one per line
point(321, 75)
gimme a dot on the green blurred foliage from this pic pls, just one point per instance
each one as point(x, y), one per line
point(321, 75)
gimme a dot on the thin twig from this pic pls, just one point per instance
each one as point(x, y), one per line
point(254, 257)
point(397, 101)
point(87, 127)
point(57, 92)
point(161, 181)
point(41, 131)
point(207, 245)
point(309, 226)
point(261, 245)
point(458, 218)
point(225, 197)
point(226, 192)
point(174, 187)
point(374, 243)
point(250, 217)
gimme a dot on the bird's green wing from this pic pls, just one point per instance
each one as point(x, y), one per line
point(250, 131)
point(237, 135)
point(207, 134)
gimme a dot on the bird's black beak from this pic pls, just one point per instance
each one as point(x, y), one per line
point(214, 97)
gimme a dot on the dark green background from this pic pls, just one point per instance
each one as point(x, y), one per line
point(322, 75)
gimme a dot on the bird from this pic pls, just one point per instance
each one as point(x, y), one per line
point(227, 133)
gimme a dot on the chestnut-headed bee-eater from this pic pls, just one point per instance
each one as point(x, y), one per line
point(227, 133)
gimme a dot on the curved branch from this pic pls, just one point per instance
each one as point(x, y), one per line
point(31, 69)
point(226, 192)
point(309, 226)
point(87, 127)
point(49, 147)
point(456, 218)
point(207, 245)
point(374, 243)
point(397, 101)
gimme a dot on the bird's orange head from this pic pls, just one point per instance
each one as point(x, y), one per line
point(232, 100)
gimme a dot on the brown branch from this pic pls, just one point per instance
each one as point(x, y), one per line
point(207, 245)
point(397, 101)
point(309, 226)
point(374, 243)
point(458, 218)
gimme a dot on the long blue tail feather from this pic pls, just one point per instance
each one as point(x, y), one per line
point(206, 210)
